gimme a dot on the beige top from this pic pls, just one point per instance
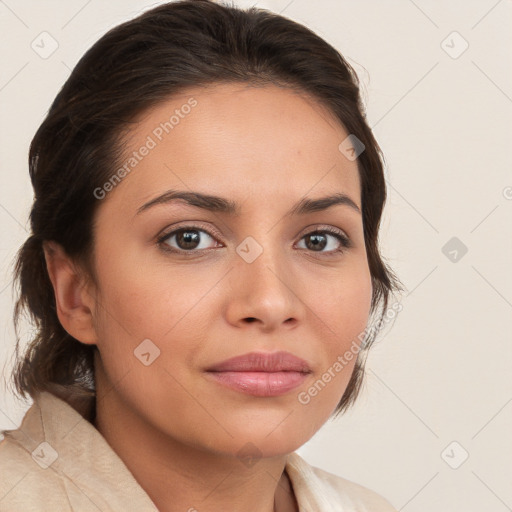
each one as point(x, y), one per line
point(58, 461)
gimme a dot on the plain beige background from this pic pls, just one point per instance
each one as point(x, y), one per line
point(437, 80)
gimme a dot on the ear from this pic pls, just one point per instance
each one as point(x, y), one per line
point(75, 304)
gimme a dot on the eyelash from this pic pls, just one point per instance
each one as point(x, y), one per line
point(345, 242)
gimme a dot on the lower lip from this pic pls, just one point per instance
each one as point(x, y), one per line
point(260, 383)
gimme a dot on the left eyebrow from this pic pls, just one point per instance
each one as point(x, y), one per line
point(220, 204)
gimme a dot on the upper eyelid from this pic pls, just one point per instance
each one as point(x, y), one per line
point(200, 227)
point(167, 232)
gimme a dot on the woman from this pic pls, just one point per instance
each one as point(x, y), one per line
point(203, 271)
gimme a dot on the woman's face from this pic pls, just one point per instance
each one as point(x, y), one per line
point(171, 306)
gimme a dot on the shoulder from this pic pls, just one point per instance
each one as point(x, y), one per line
point(25, 484)
point(57, 460)
point(317, 489)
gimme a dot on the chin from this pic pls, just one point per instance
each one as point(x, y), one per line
point(250, 448)
point(272, 436)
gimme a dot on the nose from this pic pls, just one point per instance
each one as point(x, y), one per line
point(264, 292)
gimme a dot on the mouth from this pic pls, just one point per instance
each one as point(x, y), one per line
point(261, 374)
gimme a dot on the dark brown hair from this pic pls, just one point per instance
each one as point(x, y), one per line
point(131, 68)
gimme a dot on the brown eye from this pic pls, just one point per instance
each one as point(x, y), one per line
point(318, 240)
point(186, 239)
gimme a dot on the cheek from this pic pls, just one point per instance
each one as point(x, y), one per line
point(141, 302)
point(143, 313)
point(344, 302)
point(344, 308)
point(143, 298)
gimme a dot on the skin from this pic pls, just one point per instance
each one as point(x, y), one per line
point(178, 431)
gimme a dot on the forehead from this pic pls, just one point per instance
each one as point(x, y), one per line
point(236, 140)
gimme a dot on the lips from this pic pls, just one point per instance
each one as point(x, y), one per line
point(261, 374)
